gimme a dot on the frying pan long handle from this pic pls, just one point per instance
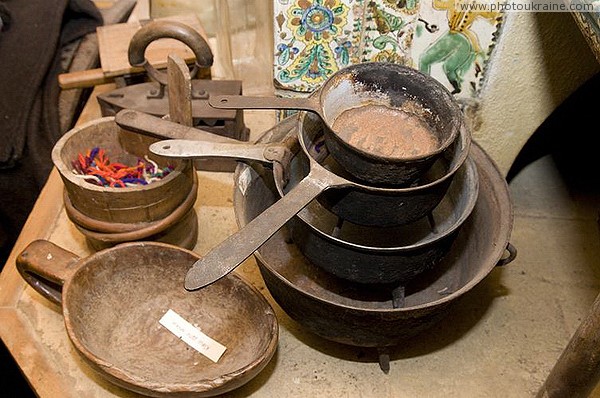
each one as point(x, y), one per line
point(238, 247)
point(247, 102)
point(194, 149)
point(46, 267)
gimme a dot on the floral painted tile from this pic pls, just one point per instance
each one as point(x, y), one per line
point(315, 38)
point(313, 42)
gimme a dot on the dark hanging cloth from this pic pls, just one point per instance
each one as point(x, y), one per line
point(32, 34)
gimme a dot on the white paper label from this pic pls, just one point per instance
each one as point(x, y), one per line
point(192, 336)
point(244, 180)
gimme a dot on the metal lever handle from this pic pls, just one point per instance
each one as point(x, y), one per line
point(246, 102)
point(143, 123)
point(190, 149)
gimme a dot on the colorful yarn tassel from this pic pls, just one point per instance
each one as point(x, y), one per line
point(96, 168)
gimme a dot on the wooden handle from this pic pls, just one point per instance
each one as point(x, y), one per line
point(577, 371)
point(83, 79)
point(46, 267)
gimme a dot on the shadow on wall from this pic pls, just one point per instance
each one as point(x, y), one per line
point(569, 135)
point(565, 134)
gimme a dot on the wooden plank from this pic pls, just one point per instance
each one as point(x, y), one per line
point(180, 91)
point(87, 57)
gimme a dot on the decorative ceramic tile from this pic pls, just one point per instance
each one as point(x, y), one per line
point(589, 24)
point(454, 46)
point(315, 38)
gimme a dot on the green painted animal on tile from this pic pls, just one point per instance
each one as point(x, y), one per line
point(457, 48)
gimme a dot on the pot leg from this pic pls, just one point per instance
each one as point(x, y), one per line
point(398, 297)
point(384, 359)
point(432, 223)
point(338, 228)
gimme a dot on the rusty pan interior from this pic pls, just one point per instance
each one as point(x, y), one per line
point(352, 314)
point(391, 86)
point(375, 148)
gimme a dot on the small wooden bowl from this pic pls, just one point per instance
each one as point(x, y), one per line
point(131, 205)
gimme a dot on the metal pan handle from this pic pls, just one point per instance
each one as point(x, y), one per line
point(230, 253)
point(46, 267)
point(195, 149)
point(238, 247)
point(247, 102)
point(282, 153)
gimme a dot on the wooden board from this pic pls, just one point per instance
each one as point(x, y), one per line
point(113, 43)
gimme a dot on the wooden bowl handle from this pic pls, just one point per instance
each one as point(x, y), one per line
point(46, 267)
